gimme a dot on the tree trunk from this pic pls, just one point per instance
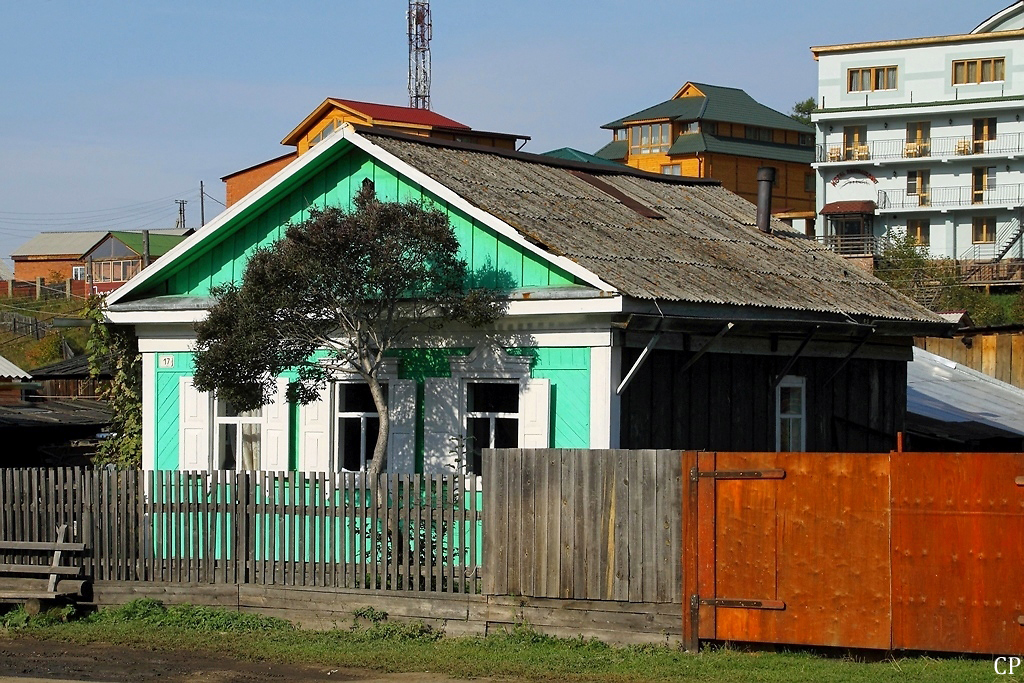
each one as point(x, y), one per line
point(380, 451)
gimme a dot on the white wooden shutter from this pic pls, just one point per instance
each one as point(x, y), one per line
point(315, 421)
point(442, 422)
point(274, 446)
point(194, 416)
point(535, 414)
point(402, 435)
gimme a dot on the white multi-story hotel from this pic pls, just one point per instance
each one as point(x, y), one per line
point(924, 135)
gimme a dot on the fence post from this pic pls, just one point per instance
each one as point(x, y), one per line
point(67, 288)
point(10, 288)
point(39, 288)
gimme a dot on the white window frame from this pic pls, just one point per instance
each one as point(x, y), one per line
point(338, 414)
point(467, 415)
point(77, 272)
point(240, 420)
point(790, 382)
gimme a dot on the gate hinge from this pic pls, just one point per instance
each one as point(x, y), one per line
point(745, 604)
point(696, 474)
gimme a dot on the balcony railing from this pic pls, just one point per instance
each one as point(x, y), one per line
point(952, 146)
point(853, 245)
point(1010, 194)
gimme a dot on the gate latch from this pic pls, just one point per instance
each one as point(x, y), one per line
point(696, 474)
point(745, 604)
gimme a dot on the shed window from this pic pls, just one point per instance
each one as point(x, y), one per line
point(791, 415)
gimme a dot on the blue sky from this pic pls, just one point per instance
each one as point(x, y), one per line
point(109, 111)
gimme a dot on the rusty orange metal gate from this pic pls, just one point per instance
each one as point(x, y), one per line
point(921, 551)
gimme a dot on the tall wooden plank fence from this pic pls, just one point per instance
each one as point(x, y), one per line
point(403, 532)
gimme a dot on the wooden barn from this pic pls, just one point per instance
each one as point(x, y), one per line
point(646, 311)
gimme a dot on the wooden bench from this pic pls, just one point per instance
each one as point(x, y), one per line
point(37, 585)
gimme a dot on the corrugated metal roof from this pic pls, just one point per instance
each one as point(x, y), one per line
point(848, 207)
point(10, 370)
point(159, 243)
point(570, 154)
point(692, 143)
point(730, 105)
point(614, 150)
point(390, 112)
point(941, 390)
point(706, 250)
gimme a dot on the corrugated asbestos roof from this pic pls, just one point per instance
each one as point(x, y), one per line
point(706, 250)
point(73, 243)
point(730, 105)
point(692, 143)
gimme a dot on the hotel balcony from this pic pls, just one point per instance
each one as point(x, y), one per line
point(962, 197)
point(1004, 145)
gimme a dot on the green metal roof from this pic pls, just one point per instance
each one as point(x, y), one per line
point(615, 150)
point(693, 143)
point(730, 105)
point(158, 244)
point(571, 154)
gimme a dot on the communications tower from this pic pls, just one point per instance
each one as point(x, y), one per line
point(420, 31)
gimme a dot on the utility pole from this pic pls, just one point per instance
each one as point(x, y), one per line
point(181, 213)
point(421, 30)
point(202, 205)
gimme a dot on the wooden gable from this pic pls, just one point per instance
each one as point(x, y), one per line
point(333, 180)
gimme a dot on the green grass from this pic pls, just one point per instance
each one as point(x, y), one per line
point(522, 653)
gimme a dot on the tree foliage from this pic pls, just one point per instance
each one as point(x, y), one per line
point(116, 347)
point(353, 284)
point(802, 110)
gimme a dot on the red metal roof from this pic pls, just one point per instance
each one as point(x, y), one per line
point(848, 207)
point(388, 112)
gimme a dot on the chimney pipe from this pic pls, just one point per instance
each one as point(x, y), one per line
point(765, 180)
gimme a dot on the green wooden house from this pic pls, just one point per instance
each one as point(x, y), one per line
point(645, 311)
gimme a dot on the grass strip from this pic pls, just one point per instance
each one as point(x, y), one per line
point(522, 653)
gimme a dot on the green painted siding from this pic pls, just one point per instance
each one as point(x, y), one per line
point(569, 372)
point(493, 260)
point(167, 406)
point(568, 369)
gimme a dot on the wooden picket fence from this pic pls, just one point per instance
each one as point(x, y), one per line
point(403, 532)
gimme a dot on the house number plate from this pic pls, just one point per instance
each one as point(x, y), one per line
point(166, 361)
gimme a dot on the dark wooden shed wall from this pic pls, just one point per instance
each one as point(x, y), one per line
point(725, 402)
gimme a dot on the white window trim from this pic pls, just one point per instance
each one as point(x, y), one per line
point(219, 420)
point(338, 414)
point(790, 381)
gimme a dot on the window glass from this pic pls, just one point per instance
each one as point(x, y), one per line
point(492, 420)
point(872, 78)
point(493, 397)
point(790, 414)
point(973, 71)
point(919, 229)
point(358, 425)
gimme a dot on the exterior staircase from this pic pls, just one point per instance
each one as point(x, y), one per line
point(972, 262)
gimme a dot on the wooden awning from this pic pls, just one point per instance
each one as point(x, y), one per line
point(863, 207)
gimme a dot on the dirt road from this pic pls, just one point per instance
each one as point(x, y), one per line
point(25, 660)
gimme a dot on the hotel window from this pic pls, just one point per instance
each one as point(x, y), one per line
point(357, 425)
point(672, 169)
point(917, 185)
point(855, 140)
point(689, 127)
point(650, 138)
point(984, 230)
point(919, 229)
point(973, 71)
point(983, 180)
point(918, 139)
point(620, 134)
point(806, 140)
point(984, 131)
point(790, 415)
point(872, 78)
point(709, 127)
point(492, 419)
